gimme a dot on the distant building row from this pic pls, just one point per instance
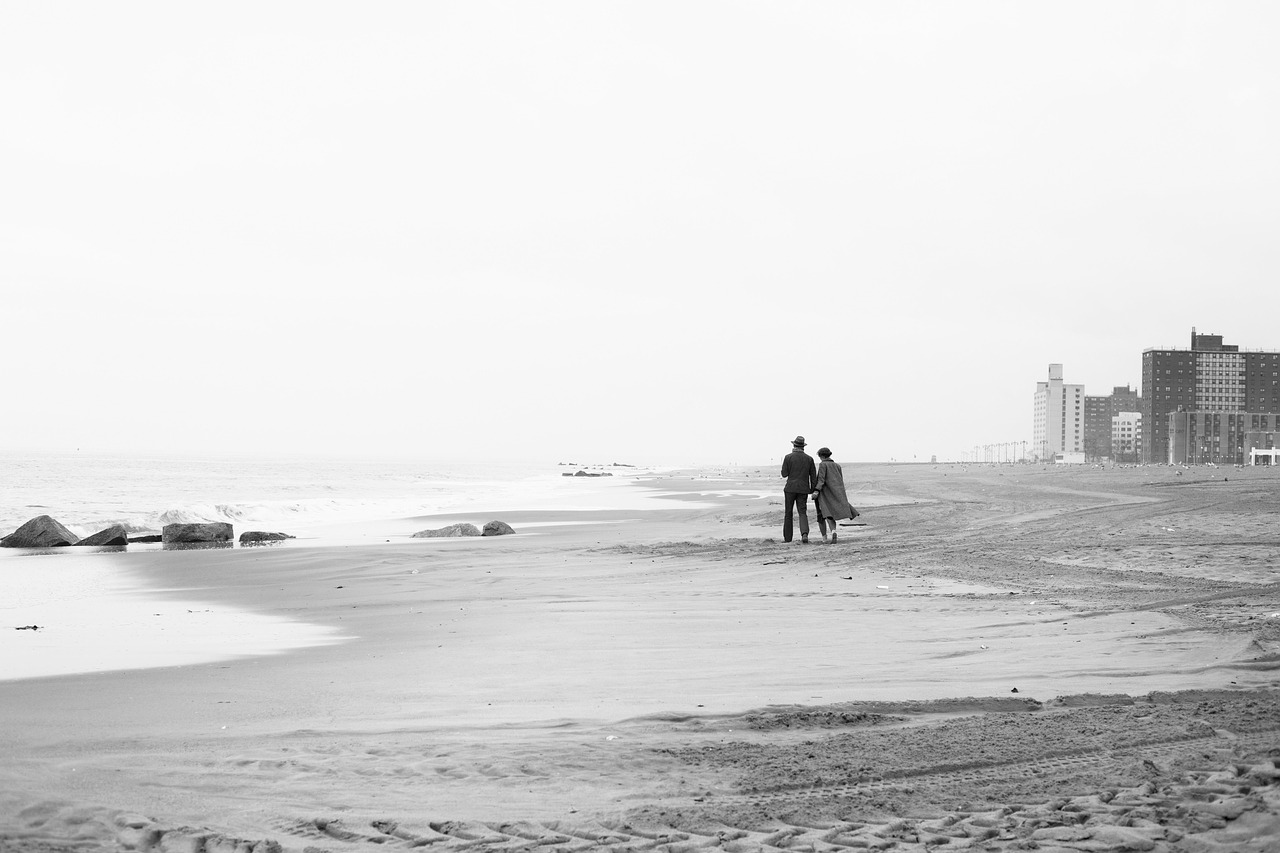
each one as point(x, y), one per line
point(1072, 425)
point(1208, 404)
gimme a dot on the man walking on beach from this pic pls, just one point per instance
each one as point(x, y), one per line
point(802, 478)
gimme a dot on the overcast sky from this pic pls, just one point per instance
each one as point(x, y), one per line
point(648, 232)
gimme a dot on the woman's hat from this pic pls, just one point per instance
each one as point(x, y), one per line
point(824, 451)
point(799, 442)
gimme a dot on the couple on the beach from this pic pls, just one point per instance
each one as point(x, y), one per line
point(824, 481)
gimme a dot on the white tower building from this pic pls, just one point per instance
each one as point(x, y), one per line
point(1059, 417)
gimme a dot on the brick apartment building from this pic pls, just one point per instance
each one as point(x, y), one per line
point(1201, 405)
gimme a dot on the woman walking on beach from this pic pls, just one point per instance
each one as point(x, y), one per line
point(829, 496)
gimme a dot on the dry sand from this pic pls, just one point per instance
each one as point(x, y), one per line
point(1000, 659)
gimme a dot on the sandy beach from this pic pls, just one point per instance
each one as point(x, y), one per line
point(993, 658)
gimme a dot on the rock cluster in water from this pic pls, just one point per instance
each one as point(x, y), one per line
point(44, 531)
point(492, 528)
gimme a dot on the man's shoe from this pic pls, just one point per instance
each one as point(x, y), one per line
point(804, 540)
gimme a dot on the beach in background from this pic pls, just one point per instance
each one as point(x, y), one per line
point(644, 659)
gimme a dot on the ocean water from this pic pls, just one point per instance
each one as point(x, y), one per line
point(303, 497)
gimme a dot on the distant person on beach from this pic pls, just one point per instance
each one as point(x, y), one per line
point(802, 478)
point(829, 498)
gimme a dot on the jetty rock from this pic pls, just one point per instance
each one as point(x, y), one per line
point(497, 528)
point(460, 529)
point(43, 531)
point(250, 537)
point(113, 535)
point(211, 531)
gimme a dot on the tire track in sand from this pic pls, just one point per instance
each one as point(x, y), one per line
point(1146, 815)
point(1167, 749)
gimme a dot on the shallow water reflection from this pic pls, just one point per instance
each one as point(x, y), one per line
point(86, 613)
point(195, 546)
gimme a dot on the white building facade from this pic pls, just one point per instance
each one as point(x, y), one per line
point(1126, 437)
point(1058, 427)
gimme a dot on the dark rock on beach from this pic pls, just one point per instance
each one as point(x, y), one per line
point(147, 537)
point(251, 537)
point(497, 528)
point(113, 535)
point(460, 529)
point(40, 532)
point(213, 531)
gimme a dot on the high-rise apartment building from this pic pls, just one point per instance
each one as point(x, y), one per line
point(1211, 378)
point(1058, 425)
point(1098, 414)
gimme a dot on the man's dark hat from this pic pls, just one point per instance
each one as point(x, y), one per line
point(799, 442)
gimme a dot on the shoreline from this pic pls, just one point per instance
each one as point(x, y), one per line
point(102, 614)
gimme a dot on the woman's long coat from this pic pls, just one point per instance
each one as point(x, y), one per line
point(832, 501)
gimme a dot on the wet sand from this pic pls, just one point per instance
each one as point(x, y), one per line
point(1077, 658)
